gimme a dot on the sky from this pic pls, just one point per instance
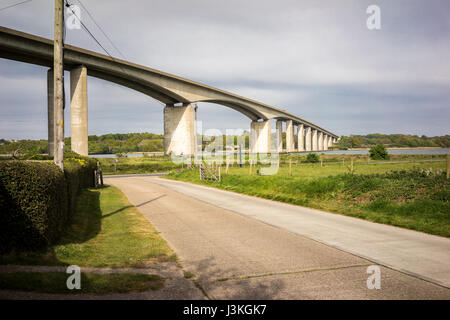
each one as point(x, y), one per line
point(314, 59)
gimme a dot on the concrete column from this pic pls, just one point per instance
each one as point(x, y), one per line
point(50, 113)
point(260, 137)
point(330, 141)
point(254, 137)
point(290, 144)
point(79, 110)
point(325, 141)
point(315, 140)
point(300, 138)
point(321, 140)
point(279, 135)
point(179, 130)
point(264, 137)
point(308, 139)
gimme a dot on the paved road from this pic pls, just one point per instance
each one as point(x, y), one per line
point(242, 247)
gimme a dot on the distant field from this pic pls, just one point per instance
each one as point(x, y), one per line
point(332, 163)
point(135, 165)
point(410, 195)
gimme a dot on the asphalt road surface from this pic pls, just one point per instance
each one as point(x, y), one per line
point(242, 247)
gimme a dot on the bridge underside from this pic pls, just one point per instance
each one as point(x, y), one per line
point(167, 88)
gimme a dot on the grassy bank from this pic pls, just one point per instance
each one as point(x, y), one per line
point(151, 164)
point(106, 231)
point(136, 165)
point(410, 195)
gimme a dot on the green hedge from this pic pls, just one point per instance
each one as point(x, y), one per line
point(79, 174)
point(37, 199)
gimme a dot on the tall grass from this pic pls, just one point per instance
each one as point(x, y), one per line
point(415, 198)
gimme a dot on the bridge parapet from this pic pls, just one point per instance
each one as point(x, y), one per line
point(165, 87)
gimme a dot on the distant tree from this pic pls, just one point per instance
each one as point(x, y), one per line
point(354, 142)
point(343, 143)
point(312, 158)
point(378, 152)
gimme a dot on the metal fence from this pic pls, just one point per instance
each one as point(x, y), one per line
point(211, 173)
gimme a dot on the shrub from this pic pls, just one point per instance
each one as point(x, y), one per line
point(37, 199)
point(378, 152)
point(33, 204)
point(79, 174)
point(312, 158)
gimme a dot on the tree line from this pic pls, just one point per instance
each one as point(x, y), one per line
point(113, 143)
point(392, 140)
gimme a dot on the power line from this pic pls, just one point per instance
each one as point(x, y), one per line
point(13, 5)
point(98, 42)
point(102, 31)
point(88, 31)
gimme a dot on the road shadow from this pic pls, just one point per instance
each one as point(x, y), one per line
point(230, 282)
point(151, 200)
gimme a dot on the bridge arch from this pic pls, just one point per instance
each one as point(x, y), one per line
point(167, 88)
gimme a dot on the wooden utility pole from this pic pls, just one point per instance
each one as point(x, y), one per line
point(58, 79)
point(196, 162)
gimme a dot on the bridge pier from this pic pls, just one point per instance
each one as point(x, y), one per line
point(50, 113)
point(300, 138)
point(330, 141)
point(320, 140)
point(260, 137)
point(315, 140)
point(79, 110)
point(325, 141)
point(308, 139)
point(279, 136)
point(179, 130)
point(290, 143)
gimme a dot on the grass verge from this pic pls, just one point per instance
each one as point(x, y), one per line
point(105, 231)
point(414, 198)
point(55, 282)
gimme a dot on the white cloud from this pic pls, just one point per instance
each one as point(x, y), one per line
point(310, 58)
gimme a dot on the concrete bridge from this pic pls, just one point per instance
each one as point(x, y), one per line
point(177, 93)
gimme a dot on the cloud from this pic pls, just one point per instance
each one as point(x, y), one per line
point(314, 59)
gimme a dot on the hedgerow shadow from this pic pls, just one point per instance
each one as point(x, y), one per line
point(85, 224)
